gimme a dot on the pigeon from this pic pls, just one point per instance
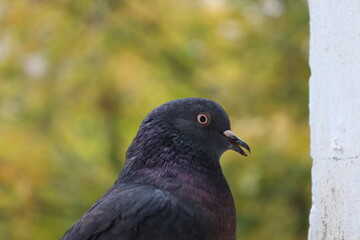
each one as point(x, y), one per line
point(172, 186)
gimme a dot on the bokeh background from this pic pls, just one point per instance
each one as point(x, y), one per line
point(77, 78)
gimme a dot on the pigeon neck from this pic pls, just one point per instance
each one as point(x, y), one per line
point(171, 159)
point(158, 152)
point(169, 166)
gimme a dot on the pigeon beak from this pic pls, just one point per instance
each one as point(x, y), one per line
point(236, 143)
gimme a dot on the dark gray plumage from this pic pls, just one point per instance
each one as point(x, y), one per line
point(172, 185)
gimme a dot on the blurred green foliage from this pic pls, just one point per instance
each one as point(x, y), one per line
point(77, 78)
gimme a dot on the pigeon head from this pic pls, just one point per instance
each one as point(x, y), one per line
point(189, 124)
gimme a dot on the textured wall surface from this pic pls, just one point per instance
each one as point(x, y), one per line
point(335, 119)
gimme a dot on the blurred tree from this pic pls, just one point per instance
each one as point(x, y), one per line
point(77, 77)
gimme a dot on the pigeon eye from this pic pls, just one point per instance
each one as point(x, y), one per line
point(203, 118)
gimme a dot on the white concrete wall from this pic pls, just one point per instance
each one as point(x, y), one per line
point(335, 119)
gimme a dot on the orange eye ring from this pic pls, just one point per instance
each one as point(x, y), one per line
point(203, 118)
